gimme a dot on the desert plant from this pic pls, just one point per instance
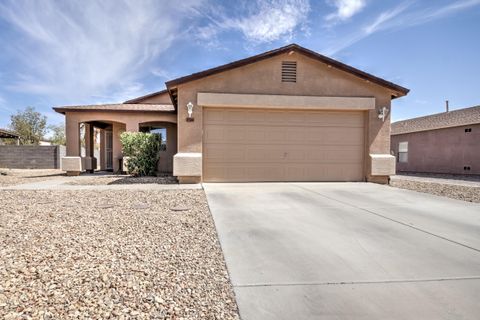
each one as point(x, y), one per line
point(142, 150)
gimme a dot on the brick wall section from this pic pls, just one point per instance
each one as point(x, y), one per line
point(30, 157)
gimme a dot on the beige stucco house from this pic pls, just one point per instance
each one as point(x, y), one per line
point(289, 114)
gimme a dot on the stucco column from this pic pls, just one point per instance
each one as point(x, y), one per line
point(102, 150)
point(72, 132)
point(132, 126)
point(117, 129)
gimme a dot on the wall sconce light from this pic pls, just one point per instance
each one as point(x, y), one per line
point(382, 113)
point(190, 111)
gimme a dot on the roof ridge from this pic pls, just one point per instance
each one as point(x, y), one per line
point(293, 46)
point(134, 100)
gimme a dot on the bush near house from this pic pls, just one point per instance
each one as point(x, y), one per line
point(142, 150)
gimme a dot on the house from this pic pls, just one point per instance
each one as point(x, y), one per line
point(7, 134)
point(289, 114)
point(447, 142)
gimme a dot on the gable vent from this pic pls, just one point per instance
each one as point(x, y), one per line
point(289, 71)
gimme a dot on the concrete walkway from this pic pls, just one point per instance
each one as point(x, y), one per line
point(348, 251)
point(64, 184)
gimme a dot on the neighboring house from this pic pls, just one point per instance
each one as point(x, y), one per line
point(7, 134)
point(289, 114)
point(44, 143)
point(447, 142)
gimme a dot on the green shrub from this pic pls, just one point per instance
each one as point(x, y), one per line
point(142, 150)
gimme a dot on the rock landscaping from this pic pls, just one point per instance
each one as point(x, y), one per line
point(113, 254)
point(455, 189)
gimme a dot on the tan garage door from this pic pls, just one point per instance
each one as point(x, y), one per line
point(265, 145)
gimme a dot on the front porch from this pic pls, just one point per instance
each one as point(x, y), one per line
point(93, 135)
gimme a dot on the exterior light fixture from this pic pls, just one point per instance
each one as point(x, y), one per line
point(190, 111)
point(382, 113)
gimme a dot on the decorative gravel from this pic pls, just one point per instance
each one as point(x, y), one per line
point(455, 191)
point(10, 177)
point(111, 255)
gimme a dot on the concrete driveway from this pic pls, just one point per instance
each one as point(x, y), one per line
point(348, 251)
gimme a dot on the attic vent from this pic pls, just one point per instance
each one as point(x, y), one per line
point(289, 71)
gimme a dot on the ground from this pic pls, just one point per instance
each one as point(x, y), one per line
point(461, 187)
point(120, 247)
point(111, 254)
point(10, 177)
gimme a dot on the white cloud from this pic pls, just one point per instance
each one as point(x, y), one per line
point(345, 9)
point(73, 50)
point(431, 14)
point(263, 21)
point(384, 18)
point(161, 73)
point(399, 17)
point(3, 104)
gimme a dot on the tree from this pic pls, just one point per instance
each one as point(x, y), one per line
point(58, 134)
point(30, 125)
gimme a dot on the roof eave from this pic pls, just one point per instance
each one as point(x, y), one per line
point(138, 99)
point(63, 110)
point(399, 90)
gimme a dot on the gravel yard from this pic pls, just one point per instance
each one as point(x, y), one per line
point(441, 185)
point(11, 177)
point(112, 179)
point(111, 254)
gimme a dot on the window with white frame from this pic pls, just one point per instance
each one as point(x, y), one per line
point(403, 151)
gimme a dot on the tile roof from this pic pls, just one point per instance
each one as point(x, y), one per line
point(454, 118)
point(129, 107)
point(139, 99)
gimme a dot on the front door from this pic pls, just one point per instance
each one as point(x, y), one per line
point(109, 150)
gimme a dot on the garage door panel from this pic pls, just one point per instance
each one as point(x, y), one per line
point(214, 116)
point(262, 145)
point(275, 134)
point(296, 134)
point(288, 118)
point(224, 153)
point(335, 136)
point(265, 173)
point(234, 134)
point(260, 153)
point(332, 119)
point(334, 154)
point(214, 134)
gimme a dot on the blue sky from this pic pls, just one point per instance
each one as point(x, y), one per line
point(86, 52)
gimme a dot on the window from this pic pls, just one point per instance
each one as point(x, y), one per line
point(157, 130)
point(289, 71)
point(403, 151)
point(468, 130)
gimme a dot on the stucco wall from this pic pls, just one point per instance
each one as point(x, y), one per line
point(163, 98)
point(441, 151)
point(121, 121)
point(165, 164)
point(313, 78)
